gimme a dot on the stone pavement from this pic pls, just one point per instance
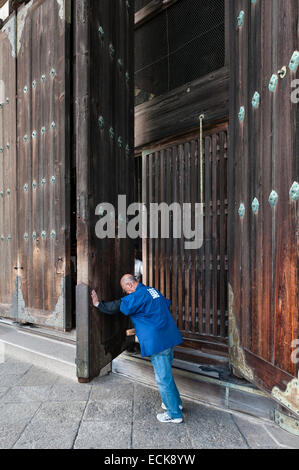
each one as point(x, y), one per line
point(41, 410)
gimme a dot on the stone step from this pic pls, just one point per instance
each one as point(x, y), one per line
point(201, 388)
point(55, 355)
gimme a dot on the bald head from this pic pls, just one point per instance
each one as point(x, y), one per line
point(128, 283)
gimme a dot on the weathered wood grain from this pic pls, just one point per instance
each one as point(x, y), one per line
point(263, 249)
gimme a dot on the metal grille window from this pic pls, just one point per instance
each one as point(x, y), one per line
point(183, 43)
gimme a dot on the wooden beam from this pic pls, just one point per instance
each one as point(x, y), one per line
point(150, 10)
point(14, 4)
point(178, 111)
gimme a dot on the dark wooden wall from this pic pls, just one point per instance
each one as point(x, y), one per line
point(263, 245)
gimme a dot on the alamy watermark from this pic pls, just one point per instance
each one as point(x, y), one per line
point(155, 221)
point(295, 353)
point(295, 92)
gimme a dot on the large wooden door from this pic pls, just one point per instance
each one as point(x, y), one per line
point(34, 167)
point(194, 279)
point(8, 160)
point(263, 199)
point(43, 116)
point(105, 152)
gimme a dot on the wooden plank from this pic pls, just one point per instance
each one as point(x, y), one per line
point(187, 199)
point(222, 231)
point(24, 87)
point(150, 241)
point(156, 241)
point(8, 231)
point(168, 171)
point(200, 258)
point(145, 253)
point(37, 170)
point(162, 198)
point(195, 304)
point(175, 113)
point(266, 314)
point(152, 9)
point(181, 258)
point(175, 242)
point(214, 235)
point(207, 234)
point(258, 60)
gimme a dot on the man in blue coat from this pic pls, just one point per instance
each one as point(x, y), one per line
point(157, 334)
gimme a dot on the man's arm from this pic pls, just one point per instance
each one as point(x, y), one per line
point(110, 308)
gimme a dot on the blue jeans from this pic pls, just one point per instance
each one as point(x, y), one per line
point(170, 396)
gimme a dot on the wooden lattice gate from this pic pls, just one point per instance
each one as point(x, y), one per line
point(194, 279)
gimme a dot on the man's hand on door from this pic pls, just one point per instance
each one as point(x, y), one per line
point(130, 332)
point(95, 299)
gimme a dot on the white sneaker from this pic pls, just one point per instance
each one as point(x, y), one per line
point(164, 407)
point(165, 418)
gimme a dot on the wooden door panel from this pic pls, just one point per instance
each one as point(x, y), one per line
point(43, 163)
point(263, 242)
point(8, 155)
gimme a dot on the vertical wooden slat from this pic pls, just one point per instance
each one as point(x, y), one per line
point(193, 173)
point(156, 241)
point(265, 314)
point(200, 258)
point(186, 199)
point(168, 244)
point(181, 283)
point(37, 287)
point(145, 254)
point(162, 257)
point(222, 233)
point(24, 83)
point(258, 60)
point(175, 255)
point(151, 162)
point(214, 237)
point(207, 234)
